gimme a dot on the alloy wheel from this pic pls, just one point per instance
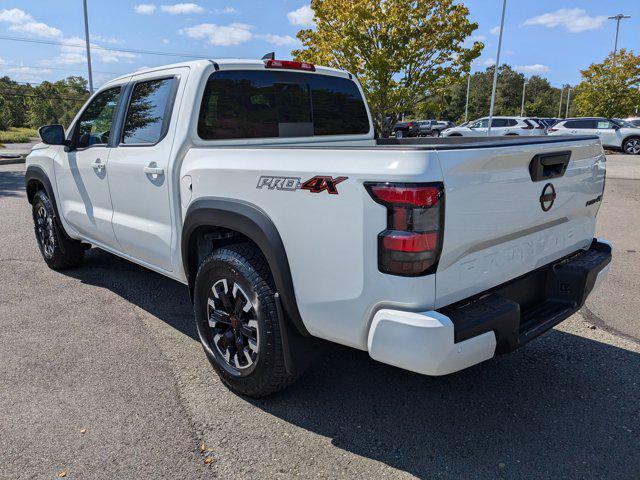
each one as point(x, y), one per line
point(46, 234)
point(633, 146)
point(233, 323)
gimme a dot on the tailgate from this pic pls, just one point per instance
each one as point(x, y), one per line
point(512, 209)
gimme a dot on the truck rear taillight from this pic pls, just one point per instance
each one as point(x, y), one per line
point(411, 244)
point(551, 129)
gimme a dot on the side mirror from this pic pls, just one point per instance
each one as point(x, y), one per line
point(52, 134)
point(616, 127)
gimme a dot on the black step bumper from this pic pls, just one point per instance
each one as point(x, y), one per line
point(524, 308)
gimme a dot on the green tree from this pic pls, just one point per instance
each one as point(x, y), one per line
point(610, 88)
point(401, 51)
point(56, 102)
point(5, 115)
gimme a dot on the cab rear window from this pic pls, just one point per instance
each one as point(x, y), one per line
point(270, 104)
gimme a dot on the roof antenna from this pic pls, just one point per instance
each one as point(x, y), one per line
point(269, 56)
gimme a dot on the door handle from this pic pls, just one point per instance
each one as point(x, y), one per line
point(150, 170)
point(98, 166)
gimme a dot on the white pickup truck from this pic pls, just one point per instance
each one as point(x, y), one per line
point(261, 186)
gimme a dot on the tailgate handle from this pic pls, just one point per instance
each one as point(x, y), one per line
point(545, 166)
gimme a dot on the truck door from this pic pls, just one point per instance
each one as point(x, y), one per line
point(139, 166)
point(82, 172)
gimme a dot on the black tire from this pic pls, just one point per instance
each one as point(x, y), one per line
point(242, 270)
point(399, 134)
point(435, 133)
point(631, 146)
point(57, 249)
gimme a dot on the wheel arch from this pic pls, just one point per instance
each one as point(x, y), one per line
point(230, 221)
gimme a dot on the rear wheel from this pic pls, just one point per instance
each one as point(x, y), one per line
point(632, 146)
point(399, 134)
point(57, 249)
point(238, 322)
point(435, 133)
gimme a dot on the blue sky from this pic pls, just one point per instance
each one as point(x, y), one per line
point(553, 38)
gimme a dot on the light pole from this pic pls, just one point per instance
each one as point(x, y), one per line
point(617, 18)
point(560, 106)
point(86, 36)
point(466, 107)
point(566, 114)
point(495, 72)
point(524, 89)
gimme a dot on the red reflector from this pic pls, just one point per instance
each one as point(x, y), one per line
point(413, 196)
point(552, 130)
point(528, 127)
point(290, 65)
point(409, 241)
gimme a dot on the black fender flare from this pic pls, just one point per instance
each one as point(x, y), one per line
point(252, 222)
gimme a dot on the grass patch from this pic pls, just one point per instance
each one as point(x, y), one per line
point(18, 135)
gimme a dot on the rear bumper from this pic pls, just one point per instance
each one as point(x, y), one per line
point(496, 321)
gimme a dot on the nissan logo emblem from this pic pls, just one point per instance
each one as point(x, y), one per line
point(548, 197)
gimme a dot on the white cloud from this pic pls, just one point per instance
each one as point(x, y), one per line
point(489, 62)
point(37, 28)
point(279, 40)
point(73, 53)
point(15, 15)
point(495, 30)
point(27, 74)
point(2, 61)
point(24, 22)
point(574, 20)
point(145, 8)
point(302, 16)
point(165, 41)
point(220, 35)
point(182, 8)
point(226, 10)
point(534, 69)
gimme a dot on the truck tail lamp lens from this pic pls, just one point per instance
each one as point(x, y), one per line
point(412, 241)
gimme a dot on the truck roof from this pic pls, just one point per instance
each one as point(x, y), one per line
point(243, 63)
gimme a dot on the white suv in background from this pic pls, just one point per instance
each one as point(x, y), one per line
point(614, 135)
point(500, 126)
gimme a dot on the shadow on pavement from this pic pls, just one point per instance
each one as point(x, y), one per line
point(11, 184)
point(561, 407)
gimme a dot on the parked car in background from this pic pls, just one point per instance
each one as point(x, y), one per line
point(500, 126)
point(406, 129)
point(433, 128)
point(634, 120)
point(614, 134)
point(546, 122)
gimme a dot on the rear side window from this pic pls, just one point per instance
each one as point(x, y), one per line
point(147, 112)
point(512, 122)
point(268, 104)
point(499, 122)
point(580, 124)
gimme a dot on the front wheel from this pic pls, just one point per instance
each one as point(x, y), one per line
point(399, 134)
point(57, 249)
point(238, 322)
point(632, 146)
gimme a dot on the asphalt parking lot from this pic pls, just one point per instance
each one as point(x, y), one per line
point(102, 376)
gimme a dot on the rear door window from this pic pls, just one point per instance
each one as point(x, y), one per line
point(269, 104)
point(499, 122)
point(147, 112)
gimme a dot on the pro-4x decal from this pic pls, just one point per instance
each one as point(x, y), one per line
point(317, 184)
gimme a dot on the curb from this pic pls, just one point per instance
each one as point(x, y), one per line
point(12, 160)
